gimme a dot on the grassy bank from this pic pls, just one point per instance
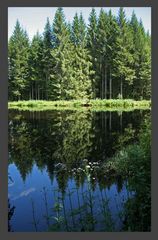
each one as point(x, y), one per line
point(98, 104)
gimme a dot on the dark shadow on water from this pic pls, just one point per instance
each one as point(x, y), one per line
point(56, 159)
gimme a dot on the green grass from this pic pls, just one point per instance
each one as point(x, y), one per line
point(96, 105)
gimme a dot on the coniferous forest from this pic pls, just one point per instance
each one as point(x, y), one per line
point(79, 121)
point(108, 58)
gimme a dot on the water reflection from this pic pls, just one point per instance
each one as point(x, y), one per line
point(55, 160)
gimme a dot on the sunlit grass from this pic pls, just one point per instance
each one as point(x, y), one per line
point(96, 104)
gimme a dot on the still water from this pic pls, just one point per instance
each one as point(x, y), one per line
point(56, 182)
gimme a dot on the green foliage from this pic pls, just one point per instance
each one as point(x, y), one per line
point(123, 60)
point(95, 105)
point(47, 57)
point(109, 58)
point(134, 162)
point(141, 52)
point(36, 90)
point(18, 54)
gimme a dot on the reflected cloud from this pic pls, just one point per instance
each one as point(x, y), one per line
point(25, 193)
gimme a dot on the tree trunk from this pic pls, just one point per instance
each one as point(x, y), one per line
point(142, 94)
point(121, 88)
point(32, 92)
point(38, 93)
point(110, 122)
point(100, 94)
point(105, 123)
point(42, 94)
point(110, 86)
point(47, 85)
point(121, 121)
point(36, 96)
point(105, 82)
point(102, 82)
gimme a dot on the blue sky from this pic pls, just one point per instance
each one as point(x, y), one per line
point(33, 19)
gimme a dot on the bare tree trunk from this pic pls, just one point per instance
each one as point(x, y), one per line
point(110, 85)
point(42, 94)
point(121, 88)
point(32, 92)
point(47, 85)
point(105, 123)
point(105, 82)
point(121, 121)
point(142, 93)
point(100, 80)
point(38, 93)
point(102, 83)
point(110, 122)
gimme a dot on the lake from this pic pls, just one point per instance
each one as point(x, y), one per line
point(56, 179)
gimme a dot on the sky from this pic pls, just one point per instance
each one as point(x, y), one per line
point(33, 19)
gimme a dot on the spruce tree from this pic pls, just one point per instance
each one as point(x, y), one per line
point(82, 65)
point(36, 77)
point(124, 59)
point(102, 54)
point(47, 57)
point(142, 60)
point(59, 88)
point(78, 31)
point(18, 54)
point(92, 46)
point(109, 58)
point(112, 33)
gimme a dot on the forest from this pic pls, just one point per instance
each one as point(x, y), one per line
point(79, 123)
point(108, 58)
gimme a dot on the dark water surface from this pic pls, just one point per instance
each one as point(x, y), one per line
point(55, 178)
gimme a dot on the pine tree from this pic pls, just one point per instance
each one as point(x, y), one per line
point(102, 54)
point(62, 59)
point(37, 84)
point(59, 27)
point(47, 57)
point(145, 73)
point(18, 54)
point(92, 46)
point(109, 58)
point(123, 61)
point(145, 64)
point(142, 59)
point(112, 33)
point(82, 61)
point(79, 31)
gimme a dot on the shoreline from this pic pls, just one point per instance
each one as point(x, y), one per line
point(97, 104)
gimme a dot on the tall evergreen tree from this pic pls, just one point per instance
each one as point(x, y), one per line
point(142, 60)
point(92, 46)
point(82, 61)
point(102, 54)
point(62, 59)
point(47, 57)
point(112, 33)
point(59, 27)
point(18, 54)
point(79, 31)
point(124, 59)
point(36, 75)
point(109, 58)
